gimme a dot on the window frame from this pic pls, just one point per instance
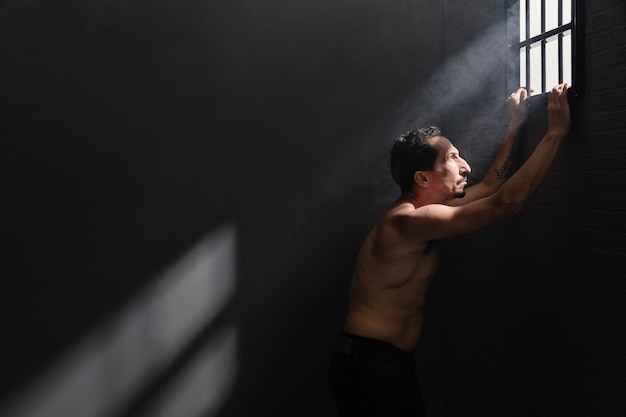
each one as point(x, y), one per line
point(577, 27)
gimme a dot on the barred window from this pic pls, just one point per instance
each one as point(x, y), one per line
point(546, 44)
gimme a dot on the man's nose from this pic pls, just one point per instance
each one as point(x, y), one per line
point(465, 168)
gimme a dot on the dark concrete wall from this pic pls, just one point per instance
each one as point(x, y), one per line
point(535, 306)
point(133, 130)
point(136, 135)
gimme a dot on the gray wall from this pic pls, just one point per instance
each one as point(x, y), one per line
point(186, 185)
point(185, 188)
point(535, 307)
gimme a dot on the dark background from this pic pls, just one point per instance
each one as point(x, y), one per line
point(133, 131)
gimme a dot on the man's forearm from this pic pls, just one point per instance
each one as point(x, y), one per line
point(505, 162)
point(516, 192)
point(525, 182)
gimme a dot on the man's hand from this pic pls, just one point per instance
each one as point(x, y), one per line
point(559, 118)
point(516, 107)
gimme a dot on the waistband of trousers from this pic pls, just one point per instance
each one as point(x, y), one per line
point(363, 347)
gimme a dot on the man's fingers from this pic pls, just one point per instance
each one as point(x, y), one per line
point(564, 91)
point(555, 94)
point(558, 93)
point(520, 94)
point(523, 94)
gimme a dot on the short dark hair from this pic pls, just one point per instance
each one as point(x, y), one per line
point(411, 152)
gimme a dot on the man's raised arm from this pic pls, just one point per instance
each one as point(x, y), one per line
point(438, 221)
point(523, 185)
point(505, 162)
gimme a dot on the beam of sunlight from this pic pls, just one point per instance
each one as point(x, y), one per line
point(111, 366)
point(461, 77)
point(202, 386)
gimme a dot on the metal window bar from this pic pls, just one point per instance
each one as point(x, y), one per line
point(560, 41)
point(543, 46)
point(527, 45)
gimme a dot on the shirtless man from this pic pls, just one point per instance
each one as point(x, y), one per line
point(372, 370)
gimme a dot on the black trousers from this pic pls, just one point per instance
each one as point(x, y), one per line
point(372, 378)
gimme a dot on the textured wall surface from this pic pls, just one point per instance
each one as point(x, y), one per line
point(535, 306)
point(185, 186)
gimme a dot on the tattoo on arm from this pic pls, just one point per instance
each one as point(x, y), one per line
point(504, 172)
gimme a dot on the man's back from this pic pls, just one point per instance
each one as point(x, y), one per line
point(390, 281)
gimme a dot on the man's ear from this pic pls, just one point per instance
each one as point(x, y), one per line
point(420, 178)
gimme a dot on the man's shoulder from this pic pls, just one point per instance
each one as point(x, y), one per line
point(409, 210)
point(402, 223)
point(399, 210)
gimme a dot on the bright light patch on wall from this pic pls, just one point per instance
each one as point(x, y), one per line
point(201, 387)
point(110, 367)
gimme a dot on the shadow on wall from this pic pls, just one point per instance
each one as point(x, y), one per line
point(127, 121)
point(174, 339)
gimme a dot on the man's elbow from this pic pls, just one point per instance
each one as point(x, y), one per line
point(510, 204)
point(492, 185)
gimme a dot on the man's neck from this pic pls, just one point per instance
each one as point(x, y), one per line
point(418, 200)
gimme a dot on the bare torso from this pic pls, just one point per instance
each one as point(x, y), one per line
point(389, 284)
